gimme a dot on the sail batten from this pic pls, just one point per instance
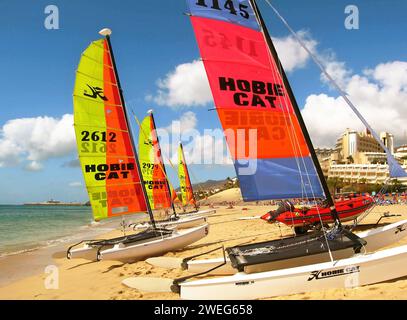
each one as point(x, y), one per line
point(88, 76)
point(253, 103)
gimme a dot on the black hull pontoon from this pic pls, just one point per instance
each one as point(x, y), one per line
point(300, 250)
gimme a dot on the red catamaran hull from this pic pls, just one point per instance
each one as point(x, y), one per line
point(347, 209)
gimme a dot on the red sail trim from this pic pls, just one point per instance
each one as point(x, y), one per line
point(161, 195)
point(128, 197)
point(189, 189)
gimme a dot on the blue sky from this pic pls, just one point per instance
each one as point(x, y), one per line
point(150, 38)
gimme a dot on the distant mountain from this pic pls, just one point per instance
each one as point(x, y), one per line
point(207, 185)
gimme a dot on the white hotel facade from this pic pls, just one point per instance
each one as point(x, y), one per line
point(362, 173)
point(357, 157)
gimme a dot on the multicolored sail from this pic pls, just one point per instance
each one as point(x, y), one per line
point(152, 166)
point(104, 144)
point(187, 193)
point(174, 196)
point(251, 99)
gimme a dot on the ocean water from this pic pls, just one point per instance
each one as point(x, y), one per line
point(24, 228)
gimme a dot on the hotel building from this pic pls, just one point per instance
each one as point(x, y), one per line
point(358, 157)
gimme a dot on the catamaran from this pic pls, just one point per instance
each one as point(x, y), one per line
point(160, 192)
point(251, 91)
point(110, 163)
point(187, 191)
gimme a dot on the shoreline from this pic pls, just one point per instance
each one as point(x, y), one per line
point(39, 204)
point(87, 229)
point(81, 279)
point(12, 263)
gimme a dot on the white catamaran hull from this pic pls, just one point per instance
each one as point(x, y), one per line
point(182, 223)
point(357, 271)
point(147, 247)
point(199, 213)
point(137, 251)
point(376, 239)
point(85, 252)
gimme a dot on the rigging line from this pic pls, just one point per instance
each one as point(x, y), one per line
point(271, 61)
point(307, 176)
point(286, 100)
point(314, 198)
point(370, 210)
point(334, 83)
point(311, 188)
point(362, 217)
point(275, 76)
point(293, 146)
point(302, 158)
point(296, 147)
point(286, 105)
point(298, 166)
point(132, 144)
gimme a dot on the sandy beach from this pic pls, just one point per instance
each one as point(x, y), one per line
point(81, 279)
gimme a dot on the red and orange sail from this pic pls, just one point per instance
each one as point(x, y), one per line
point(152, 166)
point(270, 153)
point(104, 144)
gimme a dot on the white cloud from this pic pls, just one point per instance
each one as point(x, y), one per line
point(208, 147)
point(380, 94)
point(392, 75)
point(187, 84)
point(185, 123)
point(9, 153)
point(31, 141)
point(290, 52)
point(336, 69)
point(34, 166)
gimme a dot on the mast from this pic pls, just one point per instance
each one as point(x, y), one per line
point(187, 173)
point(163, 166)
point(297, 111)
point(107, 33)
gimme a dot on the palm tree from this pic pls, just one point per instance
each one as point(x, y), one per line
point(334, 184)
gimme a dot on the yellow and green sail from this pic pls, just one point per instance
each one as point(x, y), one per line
point(187, 193)
point(152, 166)
point(104, 144)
